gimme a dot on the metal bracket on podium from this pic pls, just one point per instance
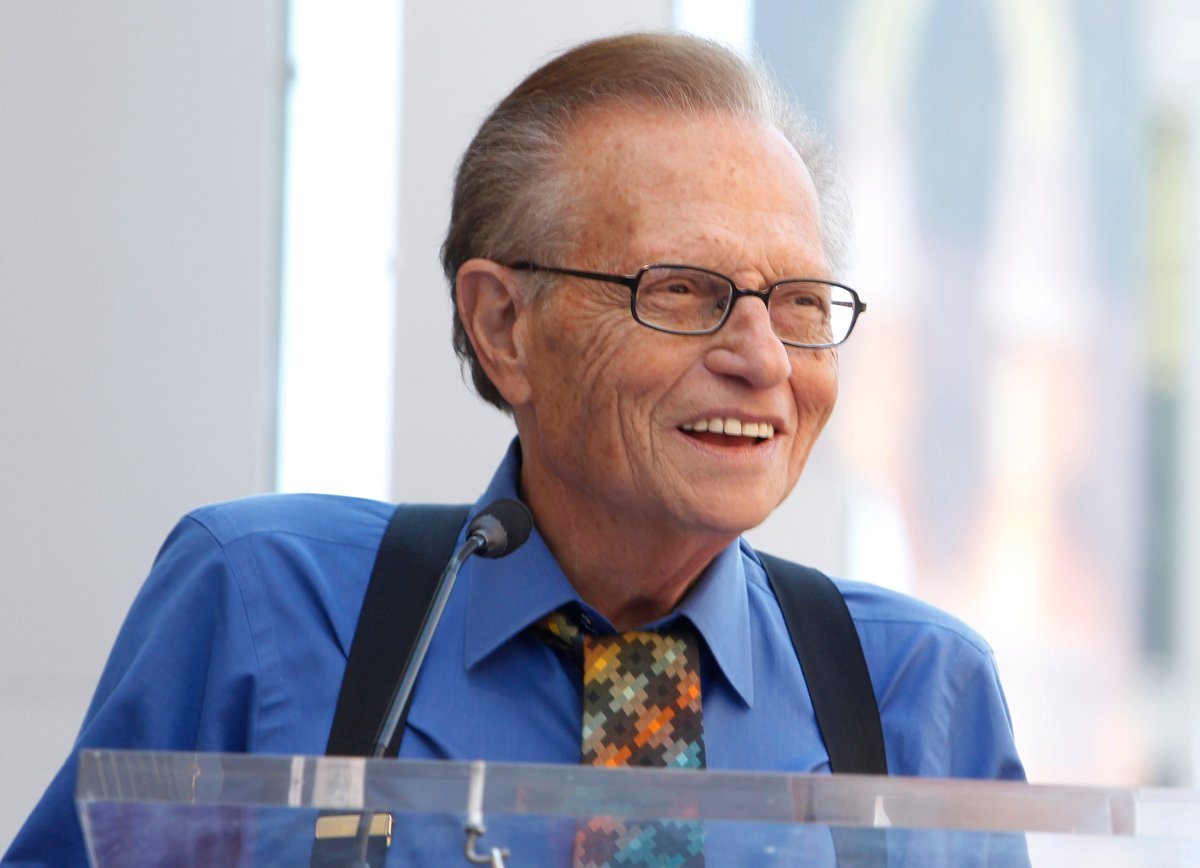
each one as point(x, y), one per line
point(474, 826)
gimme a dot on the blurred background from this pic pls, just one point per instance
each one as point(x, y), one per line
point(218, 276)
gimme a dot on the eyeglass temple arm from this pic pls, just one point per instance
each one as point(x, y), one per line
point(622, 279)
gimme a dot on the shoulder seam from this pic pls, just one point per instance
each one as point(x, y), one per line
point(278, 531)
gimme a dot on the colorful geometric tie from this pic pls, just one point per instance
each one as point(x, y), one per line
point(641, 707)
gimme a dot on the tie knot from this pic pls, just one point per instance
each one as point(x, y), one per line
point(562, 629)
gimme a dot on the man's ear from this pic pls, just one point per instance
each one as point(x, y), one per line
point(490, 304)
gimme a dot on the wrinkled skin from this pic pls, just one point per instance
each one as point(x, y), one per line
point(633, 506)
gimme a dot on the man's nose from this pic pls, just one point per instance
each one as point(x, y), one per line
point(746, 345)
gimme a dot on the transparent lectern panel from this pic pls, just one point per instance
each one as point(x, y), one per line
point(206, 835)
point(142, 808)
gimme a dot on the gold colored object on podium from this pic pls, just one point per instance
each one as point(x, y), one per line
point(346, 826)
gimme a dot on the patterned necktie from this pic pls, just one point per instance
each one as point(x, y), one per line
point(641, 707)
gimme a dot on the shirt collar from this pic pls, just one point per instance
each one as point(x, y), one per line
point(719, 609)
point(506, 595)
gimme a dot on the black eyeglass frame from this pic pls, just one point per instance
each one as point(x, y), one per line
point(631, 282)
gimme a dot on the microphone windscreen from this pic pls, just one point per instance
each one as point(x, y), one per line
point(504, 525)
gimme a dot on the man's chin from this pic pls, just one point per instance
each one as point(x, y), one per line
point(729, 519)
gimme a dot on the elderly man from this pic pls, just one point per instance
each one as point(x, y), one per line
point(643, 253)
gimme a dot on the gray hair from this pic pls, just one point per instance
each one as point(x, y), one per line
point(512, 197)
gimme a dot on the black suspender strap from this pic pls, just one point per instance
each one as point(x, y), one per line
point(418, 542)
point(415, 547)
point(834, 667)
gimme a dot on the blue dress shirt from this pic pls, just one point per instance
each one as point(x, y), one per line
point(238, 641)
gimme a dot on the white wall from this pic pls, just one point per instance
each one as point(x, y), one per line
point(139, 224)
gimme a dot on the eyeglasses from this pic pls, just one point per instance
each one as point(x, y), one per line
point(686, 300)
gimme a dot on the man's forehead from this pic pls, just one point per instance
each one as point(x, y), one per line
point(612, 126)
point(635, 169)
point(632, 148)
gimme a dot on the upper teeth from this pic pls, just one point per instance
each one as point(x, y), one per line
point(732, 427)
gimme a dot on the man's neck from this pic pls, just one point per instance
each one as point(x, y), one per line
point(630, 570)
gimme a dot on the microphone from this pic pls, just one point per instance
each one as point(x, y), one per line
point(501, 528)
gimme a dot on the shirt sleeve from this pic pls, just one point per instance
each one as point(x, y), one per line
point(943, 709)
point(182, 675)
point(980, 734)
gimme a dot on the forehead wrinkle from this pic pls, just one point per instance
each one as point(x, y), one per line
point(780, 270)
point(733, 255)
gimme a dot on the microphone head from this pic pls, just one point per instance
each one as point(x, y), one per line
point(503, 526)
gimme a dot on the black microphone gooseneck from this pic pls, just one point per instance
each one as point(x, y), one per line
point(499, 529)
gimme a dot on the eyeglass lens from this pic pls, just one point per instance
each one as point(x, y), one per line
point(690, 300)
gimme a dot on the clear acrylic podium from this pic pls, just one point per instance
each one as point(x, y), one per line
point(177, 809)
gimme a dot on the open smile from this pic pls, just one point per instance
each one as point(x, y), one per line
point(729, 430)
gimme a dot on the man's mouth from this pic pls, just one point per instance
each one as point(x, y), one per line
point(729, 430)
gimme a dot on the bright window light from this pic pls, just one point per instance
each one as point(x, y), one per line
point(729, 22)
point(335, 383)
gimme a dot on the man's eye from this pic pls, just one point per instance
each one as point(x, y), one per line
point(807, 299)
point(679, 288)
